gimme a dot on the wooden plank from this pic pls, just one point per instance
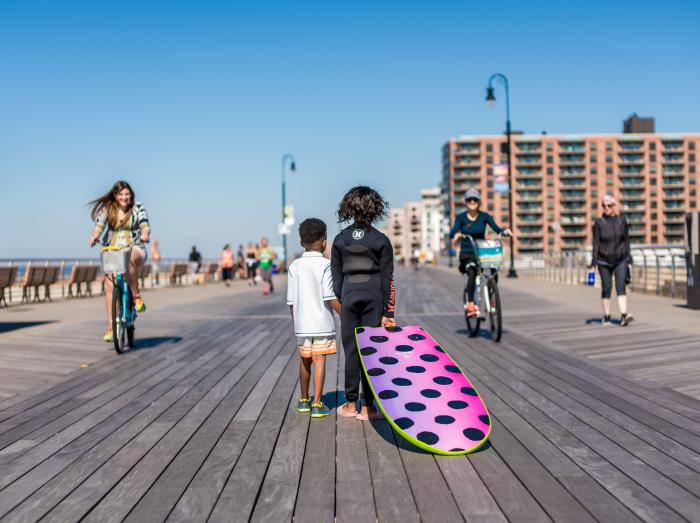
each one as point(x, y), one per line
point(316, 497)
point(83, 456)
point(225, 396)
point(108, 475)
point(164, 494)
point(61, 485)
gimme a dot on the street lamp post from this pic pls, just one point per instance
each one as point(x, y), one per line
point(292, 169)
point(490, 99)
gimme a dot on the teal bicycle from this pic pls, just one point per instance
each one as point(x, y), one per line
point(115, 265)
point(486, 297)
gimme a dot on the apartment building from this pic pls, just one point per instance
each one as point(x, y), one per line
point(560, 181)
point(417, 227)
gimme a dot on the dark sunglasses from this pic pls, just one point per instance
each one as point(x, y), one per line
point(608, 205)
point(472, 200)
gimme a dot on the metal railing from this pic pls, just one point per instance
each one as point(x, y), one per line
point(655, 269)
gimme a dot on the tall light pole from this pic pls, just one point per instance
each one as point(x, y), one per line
point(490, 99)
point(292, 169)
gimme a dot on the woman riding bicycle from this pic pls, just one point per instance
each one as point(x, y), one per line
point(472, 223)
point(121, 222)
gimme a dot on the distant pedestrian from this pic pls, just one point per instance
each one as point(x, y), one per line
point(195, 260)
point(611, 254)
point(266, 257)
point(311, 301)
point(155, 262)
point(227, 265)
point(239, 268)
point(251, 263)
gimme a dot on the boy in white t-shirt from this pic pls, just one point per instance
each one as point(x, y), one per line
point(312, 301)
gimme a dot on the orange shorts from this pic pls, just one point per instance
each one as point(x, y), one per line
point(321, 345)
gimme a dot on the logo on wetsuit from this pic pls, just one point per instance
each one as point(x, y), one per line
point(358, 234)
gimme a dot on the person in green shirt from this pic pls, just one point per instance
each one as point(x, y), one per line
point(266, 255)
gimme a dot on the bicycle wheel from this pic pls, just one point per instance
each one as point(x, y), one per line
point(118, 328)
point(495, 313)
point(473, 322)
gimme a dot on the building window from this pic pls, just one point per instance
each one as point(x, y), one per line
point(489, 159)
point(594, 193)
point(550, 170)
point(652, 146)
point(594, 146)
point(608, 146)
point(489, 194)
point(653, 181)
point(691, 157)
point(594, 170)
point(550, 158)
point(608, 170)
point(654, 205)
point(550, 147)
point(692, 192)
point(653, 192)
point(691, 146)
point(654, 239)
point(489, 207)
point(489, 147)
point(489, 183)
point(550, 183)
point(652, 157)
point(594, 206)
point(652, 169)
point(594, 181)
point(489, 170)
point(608, 158)
point(692, 204)
point(654, 216)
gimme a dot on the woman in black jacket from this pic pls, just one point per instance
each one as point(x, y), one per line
point(611, 254)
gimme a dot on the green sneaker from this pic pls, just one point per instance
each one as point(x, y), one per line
point(304, 405)
point(319, 410)
point(109, 337)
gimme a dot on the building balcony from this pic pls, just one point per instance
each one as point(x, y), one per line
point(467, 161)
point(530, 245)
point(529, 197)
point(528, 147)
point(673, 159)
point(570, 159)
point(674, 219)
point(636, 195)
point(581, 175)
point(528, 176)
point(572, 197)
point(528, 160)
point(631, 146)
point(573, 184)
point(529, 186)
point(636, 186)
point(631, 159)
point(530, 234)
point(574, 234)
point(673, 146)
point(637, 233)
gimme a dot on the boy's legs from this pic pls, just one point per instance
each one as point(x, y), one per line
point(319, 362)
point(305, 376)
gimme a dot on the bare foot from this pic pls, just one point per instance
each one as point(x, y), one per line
point(347, 410)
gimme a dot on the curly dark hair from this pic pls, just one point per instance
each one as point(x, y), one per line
point(364, 205)
point(312, 230)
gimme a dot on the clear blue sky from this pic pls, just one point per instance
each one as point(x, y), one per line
point(194, 103)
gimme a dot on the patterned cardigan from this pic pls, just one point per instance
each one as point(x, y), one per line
point(137, 223)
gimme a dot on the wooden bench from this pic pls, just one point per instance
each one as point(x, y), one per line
point(211, 271)
point(79, 275)
point(177, 271)
point(7, 279)
point(51, 275)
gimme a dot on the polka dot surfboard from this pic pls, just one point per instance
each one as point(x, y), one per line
point(421, 391)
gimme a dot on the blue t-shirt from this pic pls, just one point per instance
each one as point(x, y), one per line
point(476, 229)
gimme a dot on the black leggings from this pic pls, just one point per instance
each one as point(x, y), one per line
point(606, 278)
point(467, 265)
point(360, 308)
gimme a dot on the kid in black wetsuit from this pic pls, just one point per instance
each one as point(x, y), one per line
point(362, 265)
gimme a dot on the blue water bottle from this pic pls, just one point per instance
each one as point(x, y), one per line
point(591, 278)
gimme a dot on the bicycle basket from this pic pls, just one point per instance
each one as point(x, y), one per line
point(115, 261)
point(490, 253)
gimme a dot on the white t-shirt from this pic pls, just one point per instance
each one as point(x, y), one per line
point(309, 287)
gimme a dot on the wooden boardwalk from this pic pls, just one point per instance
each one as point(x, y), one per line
point(200, 428)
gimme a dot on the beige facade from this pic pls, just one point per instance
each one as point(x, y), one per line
point(561, 180)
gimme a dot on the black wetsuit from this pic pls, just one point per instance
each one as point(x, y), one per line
point(362, 264)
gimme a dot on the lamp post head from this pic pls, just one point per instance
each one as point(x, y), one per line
point(293, 167)
point(490, 98)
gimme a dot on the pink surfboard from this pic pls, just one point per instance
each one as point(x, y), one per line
point(422, 392)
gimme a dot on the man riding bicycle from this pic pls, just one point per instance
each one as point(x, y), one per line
point(472, 223)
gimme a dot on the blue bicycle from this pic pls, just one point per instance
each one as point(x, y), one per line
point(115, 265)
